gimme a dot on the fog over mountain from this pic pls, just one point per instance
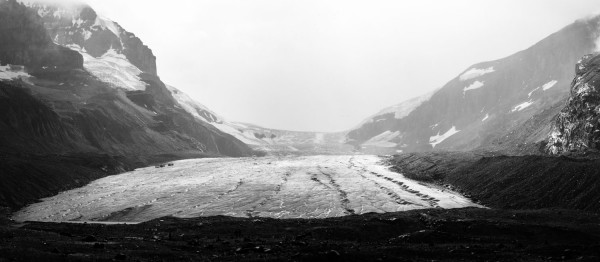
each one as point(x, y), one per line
point(326, 66)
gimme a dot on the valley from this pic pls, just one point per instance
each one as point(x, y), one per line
point(101, 160)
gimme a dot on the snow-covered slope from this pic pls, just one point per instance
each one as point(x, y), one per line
point(400, 110)
point(383, 139)
point(439, 138)
point(112, 68)
point(264, 139)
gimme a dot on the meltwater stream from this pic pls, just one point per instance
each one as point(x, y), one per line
point(278, 187)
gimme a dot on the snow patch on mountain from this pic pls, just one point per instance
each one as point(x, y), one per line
point(199, 111)
point(475, 85)
point(475, 73)
point(383, 139)
point(485, 118)
point(77, 22)
point(522, 106)
point(533, 91)
point(437, 139)
point(10, 72)
point(544, 87)
point(112, 68)
point(549, 85)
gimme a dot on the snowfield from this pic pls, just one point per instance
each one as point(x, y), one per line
point(475, 85)
point(549, 85)
point(485, 118)
point(544, 87)
point(278, 187)
point(437, 139)
point(475, 73)
point(403, 109)
point(522, 106)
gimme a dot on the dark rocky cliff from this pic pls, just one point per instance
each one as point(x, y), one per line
point(577, 126)
point(24, 41)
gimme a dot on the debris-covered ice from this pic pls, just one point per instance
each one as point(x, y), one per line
point(278, 187)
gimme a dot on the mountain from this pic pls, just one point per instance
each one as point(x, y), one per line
point(119, 58)
point(81, 95)
point(25, 42)
point(382, 141)
point(502, 105)
point(117, 103)
point(577, 127)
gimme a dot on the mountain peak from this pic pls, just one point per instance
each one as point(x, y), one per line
point(77, 25)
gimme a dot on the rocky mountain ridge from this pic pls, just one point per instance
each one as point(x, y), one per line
point(577, 126)
point(26, 43)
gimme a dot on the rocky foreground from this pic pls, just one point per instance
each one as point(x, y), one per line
point(527, 225)
point(468, 234)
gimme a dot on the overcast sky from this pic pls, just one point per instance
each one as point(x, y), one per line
point(326, 65)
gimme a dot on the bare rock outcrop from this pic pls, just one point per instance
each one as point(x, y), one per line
point(577, 126)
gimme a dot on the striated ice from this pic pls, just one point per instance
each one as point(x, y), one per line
point(278, 187)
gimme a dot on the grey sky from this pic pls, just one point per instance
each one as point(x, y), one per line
point(327, 65)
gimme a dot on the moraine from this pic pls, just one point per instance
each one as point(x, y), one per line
point(278, 187)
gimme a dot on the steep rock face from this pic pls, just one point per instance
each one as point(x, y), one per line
point(79, 25)
point(25, 42)
point(32, 121)
point(577, 126)
point(496, 105)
